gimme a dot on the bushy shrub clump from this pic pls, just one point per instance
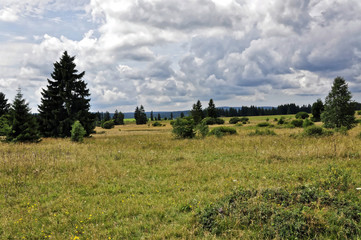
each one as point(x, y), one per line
point(307, 123)
point(281, 121)
point(324, 210)
point(316, 131)
point(221, 131)
point(235, 120)
point(108, 124)
point(157, 124)
point(77, 132)
point(212, 121)
point(264, 124)
point(302, 115)
point(297, 122)
point(183, 127)
point(266, 132)
point(202, 130)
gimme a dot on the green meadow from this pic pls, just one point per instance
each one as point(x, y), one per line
point(140, 182)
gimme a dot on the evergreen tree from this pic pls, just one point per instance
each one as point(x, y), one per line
point(4, 106)
point(106, 116)
point(317, 109)
point(171, 116)
point(23, 124)
point(159, 118)
point(339, 108)
point(182, 115)
point(118, 118)
point(151, 116)
point(197, 113)
point(140, 116)
point(65, 100)
point(211, 110)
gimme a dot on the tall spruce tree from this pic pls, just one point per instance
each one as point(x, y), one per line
point(4, 106)
point(316, 110)
point(140, 116)
point(65, 100)
point(211, 110)
point(197, 112)
point(339, 109)
point(118, 118)
point(23, 124)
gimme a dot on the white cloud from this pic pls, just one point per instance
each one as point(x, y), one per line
point(169, 53)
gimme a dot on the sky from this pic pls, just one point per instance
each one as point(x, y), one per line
point(167, 54)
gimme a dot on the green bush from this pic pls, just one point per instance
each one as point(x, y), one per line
point(266, 132)
point(281, 121)
point(108, 124)
point(326, 209)
point(5, 127)
point(316, 131)
point(297, 122)
point(77, 132)
point(183, 127)
point(212, 121)
point(307, 123)
point(264, 124)
point(234, 120)
point(157, 124)
point(221, 131)
point(302, 115)
point(359, 112)
point(202, 129)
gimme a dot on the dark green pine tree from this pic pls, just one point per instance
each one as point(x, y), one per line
point(171, 116)
point(65, 100)
point(106, 116)
point(23, 124)
point(159, 117)
point(211, 110)
point(143, 116)
point(316, 110)
point(339, 109)
point(4, 106)
point(118, 118)
point(151, 116)
point(197, 112)
point(137, 115)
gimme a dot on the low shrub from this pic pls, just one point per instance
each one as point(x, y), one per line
point(342, 130)
point(202, 130)
point(108, 124)
point(266, 132)
point(77, 132)
point(302, 115)
point(316, 131)
point(281, 121)
point(307, 123)
point(297, 122)
point(183, 127)
point(264, 124)
point(359, 112)
point(234, 120)
point(325, 209)
point(157, 124)
point(221, 131)
point(212, 121)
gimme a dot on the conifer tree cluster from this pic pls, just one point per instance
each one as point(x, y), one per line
point(23, 124)
point(65, 100)
point(140, 116)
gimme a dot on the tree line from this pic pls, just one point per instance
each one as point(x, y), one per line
point(64, 110)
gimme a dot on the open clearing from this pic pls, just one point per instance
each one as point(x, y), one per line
point(135, 182)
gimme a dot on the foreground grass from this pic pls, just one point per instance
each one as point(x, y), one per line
point(140, 182)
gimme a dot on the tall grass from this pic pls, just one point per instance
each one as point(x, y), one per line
point(141, 182)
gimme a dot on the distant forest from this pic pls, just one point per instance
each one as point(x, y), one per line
point(237, 111)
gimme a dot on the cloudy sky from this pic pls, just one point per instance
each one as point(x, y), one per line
point(166, 54)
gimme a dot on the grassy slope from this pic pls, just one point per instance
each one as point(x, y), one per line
point(140, 182)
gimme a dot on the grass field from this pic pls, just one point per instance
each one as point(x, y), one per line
point(139, 182)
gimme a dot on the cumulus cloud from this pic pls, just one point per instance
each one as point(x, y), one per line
point(166, 54)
